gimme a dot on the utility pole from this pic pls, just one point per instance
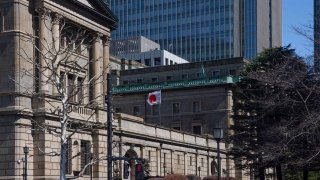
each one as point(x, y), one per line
point(109, 124)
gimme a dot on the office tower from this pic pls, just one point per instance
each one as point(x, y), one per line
point(316, 34)
point(201, 30)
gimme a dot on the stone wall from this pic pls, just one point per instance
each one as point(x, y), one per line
point(169, 151)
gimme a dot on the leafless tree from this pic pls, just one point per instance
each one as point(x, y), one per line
point(277, 112)
point(62, 70)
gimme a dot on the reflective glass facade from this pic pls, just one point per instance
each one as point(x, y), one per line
point(196, 30)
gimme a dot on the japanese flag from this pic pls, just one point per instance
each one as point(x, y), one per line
point(154, 98)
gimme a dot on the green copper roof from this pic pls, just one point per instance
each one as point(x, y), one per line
point(174, 84)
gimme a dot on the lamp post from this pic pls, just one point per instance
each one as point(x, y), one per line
point(218, 135)
point(26, 152)
point(109, 125)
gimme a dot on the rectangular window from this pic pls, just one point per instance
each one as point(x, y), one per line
point(196, 129)
point(155, 110)
point(190, 160)
point(63, 80)
point(167, 61)
point(124, 82)
point(80, 90)
point(178, 158)
point(149, 156)
point(147, 62)
point(215, 73)
point(184, 76)
point(175, 108)
point(169, 78)
point(196, 106)
point(157, 61)
point(176, 128)
point(232, 72)
point(171, 62)
point(69, 157)
point(139, 80)
point(202, 162)
point(199, 75)
point(71, 88)
point(136, 110)
point(117, 110)
point(85, 156)
point(154, 79)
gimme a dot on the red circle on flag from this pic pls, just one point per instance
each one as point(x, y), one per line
point(152, 98)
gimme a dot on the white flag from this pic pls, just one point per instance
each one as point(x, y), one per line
point(154, 98)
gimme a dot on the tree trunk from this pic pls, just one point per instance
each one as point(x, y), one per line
point(63, 161)
point(305, 173)
point(279, 172)
point(261, 173)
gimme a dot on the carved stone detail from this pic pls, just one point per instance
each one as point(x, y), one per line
point(106, 40)
point(44, 13)
point(97, 37)
point(57, 18)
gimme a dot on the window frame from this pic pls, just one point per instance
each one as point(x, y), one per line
point(198, 109)
point(175, 109)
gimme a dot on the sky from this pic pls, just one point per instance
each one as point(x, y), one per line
point(297, 13)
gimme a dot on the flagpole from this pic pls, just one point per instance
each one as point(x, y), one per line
point(145, 107)
point(160, 112)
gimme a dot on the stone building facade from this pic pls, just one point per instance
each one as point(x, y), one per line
point(195, 97)
point(25, 102)
point(168, 150)
point(24, 98)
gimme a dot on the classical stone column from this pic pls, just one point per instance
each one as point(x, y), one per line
point(142, 148)
point(197, 163)
point(97, 70)
point(43, 48)
point(99, 145)
point(56, 45)
point(106, 61)
point(172, 161)
point(208, 164)
point(158, 151)
point(185, 163)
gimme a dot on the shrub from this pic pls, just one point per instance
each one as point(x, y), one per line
point(175, 177)
point(216, 178)
point(193, 177)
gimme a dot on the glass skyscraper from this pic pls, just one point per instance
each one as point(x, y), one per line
point(202, 30)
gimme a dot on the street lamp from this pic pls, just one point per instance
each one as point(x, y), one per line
point(218, 135)
point(26, 152)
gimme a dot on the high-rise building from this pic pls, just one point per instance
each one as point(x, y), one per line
point(316, 5)
point(201, 30)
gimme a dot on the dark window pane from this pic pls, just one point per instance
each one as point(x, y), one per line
point(157, 61)
point(136, 110)
point(197, 130)
point(175, 107)
point(147, 62)
point(85, 156)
